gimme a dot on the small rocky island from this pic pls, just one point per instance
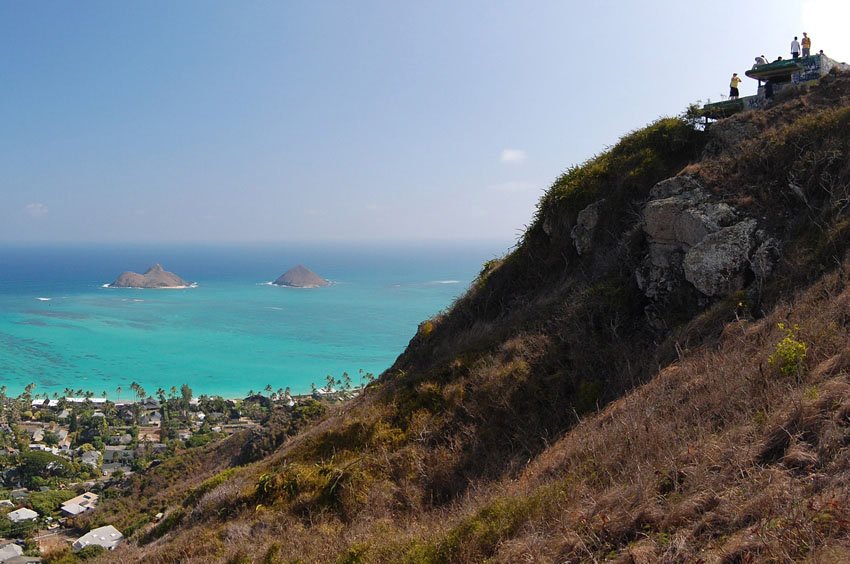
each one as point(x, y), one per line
point(301, 277)
point(154, 277)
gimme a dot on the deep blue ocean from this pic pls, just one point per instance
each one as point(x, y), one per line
point(60, 328)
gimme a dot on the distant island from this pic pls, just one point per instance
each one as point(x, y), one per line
point(154, 277)
point(301, 277)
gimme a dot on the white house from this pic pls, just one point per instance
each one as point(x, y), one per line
point(80, 504)
point(9, 551)
point(22, 514)
point(108, 537)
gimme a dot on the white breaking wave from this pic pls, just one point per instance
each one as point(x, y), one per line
point(44, 299)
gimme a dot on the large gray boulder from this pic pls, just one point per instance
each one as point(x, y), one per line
point(586, 222)
point(717, 264)
point(680, 213)
point(694, 241)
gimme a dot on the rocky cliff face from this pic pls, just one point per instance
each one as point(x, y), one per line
point(154, 277)
point(696, 242)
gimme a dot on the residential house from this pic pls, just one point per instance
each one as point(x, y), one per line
point(117, 453)
point(23, 559)
point(108, 537)
point(92, 458)
point(153, 418)
point(124, 439)
point(150, 449)
point(109, 469)
point(10, 550)
point(40, 403)
point(22, 514)
point(80, 504)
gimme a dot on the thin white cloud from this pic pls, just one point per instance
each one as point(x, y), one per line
point(36, 209)
point(512, 187)
point(513, 156)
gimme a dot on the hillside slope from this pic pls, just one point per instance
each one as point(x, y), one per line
point(617, 387)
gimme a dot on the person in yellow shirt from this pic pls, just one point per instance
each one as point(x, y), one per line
point(807, 44)
point(733, 86)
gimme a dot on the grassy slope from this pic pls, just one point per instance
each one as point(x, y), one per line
point(484, 440)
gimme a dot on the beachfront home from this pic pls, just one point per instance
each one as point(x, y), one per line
point(108, 537)
point(6, 503)
point(22, 514)
point(80, 504)
point(92, 400)
point(43, 403)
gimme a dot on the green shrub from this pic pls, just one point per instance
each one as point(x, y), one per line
point(789, 356)
point(48, 502)
point(208, 485)
point(91, 551)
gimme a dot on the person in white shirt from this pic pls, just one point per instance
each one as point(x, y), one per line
point(761, 60)
point(795, 48)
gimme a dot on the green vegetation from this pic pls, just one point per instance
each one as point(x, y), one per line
point(626, 171)
point(789, 356)
point(49, 502)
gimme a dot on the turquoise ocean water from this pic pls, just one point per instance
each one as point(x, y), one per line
point(59, 328)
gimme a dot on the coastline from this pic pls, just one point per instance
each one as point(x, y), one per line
point(111, 287)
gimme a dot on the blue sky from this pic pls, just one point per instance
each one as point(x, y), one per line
point(371, 120)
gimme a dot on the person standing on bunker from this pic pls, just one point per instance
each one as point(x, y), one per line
point(807, 44)
point(733, 86)
point(795, 48)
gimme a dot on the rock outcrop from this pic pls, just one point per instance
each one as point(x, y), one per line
point(586, 222)
point(154, 277)
point(692, 239)
point(301, 277)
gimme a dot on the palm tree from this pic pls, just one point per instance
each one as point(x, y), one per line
point(118, 391)
point(268, 388)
